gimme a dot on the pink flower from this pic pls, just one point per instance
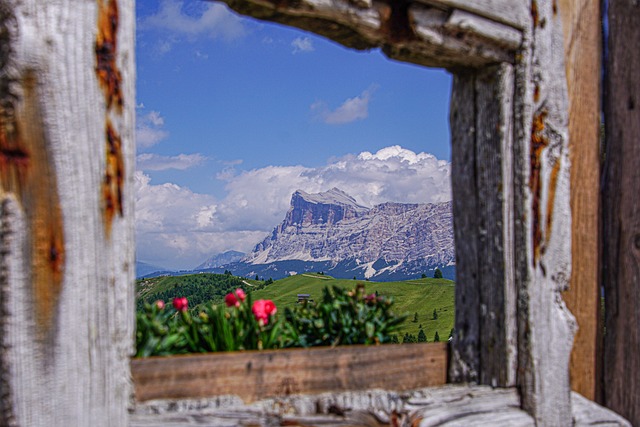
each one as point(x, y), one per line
point(160, 304)
point(263, 309)
point(181, 304)
point(234, 298)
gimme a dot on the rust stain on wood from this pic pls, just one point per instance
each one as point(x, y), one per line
point(538, 143)
point(26, 170)
point(553, 185)
point(534, 13)
point(110, 79)
point(113, 178)
point(106, 48)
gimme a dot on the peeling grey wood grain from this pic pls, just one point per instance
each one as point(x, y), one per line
point(465, 358)
point(411, 32)
point(484, 347)
point(498, 34)
point(66, 283)
point(494, 88)
point(442, 406)
point(510, 12)
point(587, 413)
point(543, 221)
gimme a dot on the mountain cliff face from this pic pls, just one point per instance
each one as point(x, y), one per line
point(220, 260)
point(330, 232)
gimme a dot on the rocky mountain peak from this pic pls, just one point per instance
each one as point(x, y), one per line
point(331, 227)
point(328, 207)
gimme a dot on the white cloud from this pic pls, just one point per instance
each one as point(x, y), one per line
point(156, 162)
point(202, 19)
point(356, 108)
point(302, 45)
point(178, 228)
point(149, 129)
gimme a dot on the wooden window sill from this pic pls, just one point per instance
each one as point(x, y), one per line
point(448, 405)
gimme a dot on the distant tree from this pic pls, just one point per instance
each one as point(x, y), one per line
point(435, 314)
point(268, 282)
point(354, 278)
point(436, 338)
point(377, 294)
point(424, 276)
point(257, 278)
point(227, 272)
point(415, 317)
point(437, 274)
point(422, 337)
point(409, 338)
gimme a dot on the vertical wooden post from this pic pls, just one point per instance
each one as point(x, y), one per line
point(512, 222)
point(543, 220)
point(67, 112)
point(484, 347)
point(581, 28)
point(621, 212)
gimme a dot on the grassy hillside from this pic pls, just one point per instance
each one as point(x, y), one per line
point(420, 296)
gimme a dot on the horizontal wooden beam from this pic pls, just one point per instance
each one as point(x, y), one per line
point(255, 375)
point(509, 12)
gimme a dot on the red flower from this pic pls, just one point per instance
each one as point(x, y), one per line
point(234, 298)
point(262, 309)
point(181, 304)
point(160, 304)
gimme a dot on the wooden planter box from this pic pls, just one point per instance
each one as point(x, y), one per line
point(254, 375)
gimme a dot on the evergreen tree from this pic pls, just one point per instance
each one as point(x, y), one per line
point(436, 338)
point(409, 338)
point(424, 276)
point(422, 337)
point(437, 274)
point(415, 317)
point(435, 314)
point(257, 278)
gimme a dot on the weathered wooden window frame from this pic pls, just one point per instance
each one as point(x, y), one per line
point(66, 212)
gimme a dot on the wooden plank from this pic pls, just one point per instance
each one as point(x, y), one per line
point(543, 221)
point(449, 405)
point(621, 213)
point(485, 342)
point(260, 374)
point(494, 88)
point(465, 357)
point(581, 28)
point(499, 34)
point(66, 329)
point(410, 32)
point(514, 13)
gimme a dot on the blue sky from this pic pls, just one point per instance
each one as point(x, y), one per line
point(236, 114)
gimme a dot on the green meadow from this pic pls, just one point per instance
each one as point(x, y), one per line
point(418, 298)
